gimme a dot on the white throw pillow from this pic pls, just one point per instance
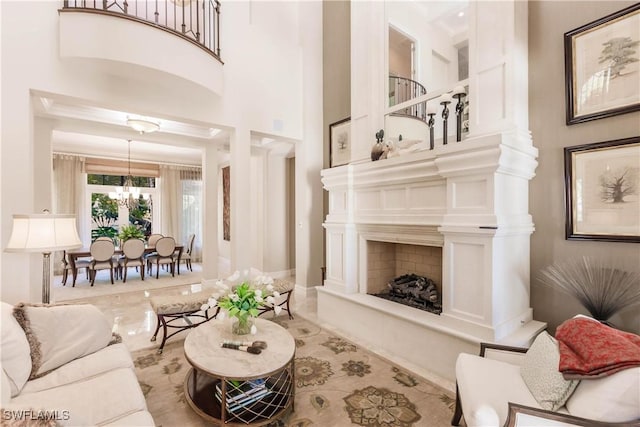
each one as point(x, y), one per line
point(59, 334)
point(540, 373)
point(615, 398)
point(16, 361)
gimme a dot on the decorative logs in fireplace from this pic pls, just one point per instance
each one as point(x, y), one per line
point(415, 291)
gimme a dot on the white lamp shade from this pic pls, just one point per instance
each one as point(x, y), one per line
point(43, 233)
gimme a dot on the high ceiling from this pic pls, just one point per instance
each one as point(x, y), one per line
point(100, 132)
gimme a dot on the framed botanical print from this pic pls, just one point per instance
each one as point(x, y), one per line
point(602, 184)
point(340, 142)
point(602, 67)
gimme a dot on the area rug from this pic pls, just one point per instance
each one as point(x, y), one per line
point(338, 383)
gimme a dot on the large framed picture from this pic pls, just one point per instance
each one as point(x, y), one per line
point(602, 67)
point(340, 142)
point(602, 183)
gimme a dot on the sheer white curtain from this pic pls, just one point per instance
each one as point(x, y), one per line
point(68, 192)
point(181, 214)
point(171, 201)
point(191, 220)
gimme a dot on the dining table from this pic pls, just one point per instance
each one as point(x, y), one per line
point(74, 254)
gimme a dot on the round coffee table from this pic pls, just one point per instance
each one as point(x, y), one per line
point(233, 387)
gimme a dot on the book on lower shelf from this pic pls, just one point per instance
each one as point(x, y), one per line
point(241, 394)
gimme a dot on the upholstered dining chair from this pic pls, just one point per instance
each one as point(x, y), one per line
point(165, 248)
point(151, 243)
point(187, 255)
point(133, 256)
point(153, 239)
point(66, 267)
point(101, 258)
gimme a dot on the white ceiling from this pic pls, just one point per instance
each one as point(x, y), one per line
point(100, 132)
point(449, 15)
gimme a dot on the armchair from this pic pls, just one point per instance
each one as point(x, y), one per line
point(490, 391)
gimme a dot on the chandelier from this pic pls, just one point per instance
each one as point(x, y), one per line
point(128, 195)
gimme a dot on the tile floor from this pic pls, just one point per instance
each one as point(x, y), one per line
point(135, 321)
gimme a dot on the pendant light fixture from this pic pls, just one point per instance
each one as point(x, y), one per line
point(127, 195)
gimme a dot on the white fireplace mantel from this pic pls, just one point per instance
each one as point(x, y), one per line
point(469, 198)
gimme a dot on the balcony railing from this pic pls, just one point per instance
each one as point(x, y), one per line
point(195, 20)
point(401, 90)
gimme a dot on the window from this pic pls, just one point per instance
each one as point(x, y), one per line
point(107, 216)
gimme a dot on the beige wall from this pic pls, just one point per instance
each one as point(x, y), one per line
point(548, 21)
point(336, 57)
point(336, 73)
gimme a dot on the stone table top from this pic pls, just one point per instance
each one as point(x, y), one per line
point(203, 351)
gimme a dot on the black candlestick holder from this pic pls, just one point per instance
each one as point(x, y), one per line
point(431, 123)
point(459, 111)
point(445, 119)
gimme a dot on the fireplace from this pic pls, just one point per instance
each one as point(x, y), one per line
point(405, 273)
point(457, 216)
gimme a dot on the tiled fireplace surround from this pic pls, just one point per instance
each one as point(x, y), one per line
point(386, 261)
point(469, 203)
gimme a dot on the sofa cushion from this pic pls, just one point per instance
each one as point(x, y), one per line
point(615, 398)
point(16, 360)
point(540, 373)
point(58, 334)
point(488, 385)
point(109, 358)
point(97, 400)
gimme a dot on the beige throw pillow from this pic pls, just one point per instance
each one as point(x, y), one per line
point(58, 334)
point(540, 373)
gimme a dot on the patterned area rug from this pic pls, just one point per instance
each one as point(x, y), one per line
point(338, 384)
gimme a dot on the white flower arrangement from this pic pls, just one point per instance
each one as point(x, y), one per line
point(243, 298)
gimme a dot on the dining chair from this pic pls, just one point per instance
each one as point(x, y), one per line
point(101, 258)
point(133, 256)
point(187, 254)
point(103, 238)
point(66, 267)
point(165, 248)
point(153, 239)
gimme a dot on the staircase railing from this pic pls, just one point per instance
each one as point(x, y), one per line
point(402, 89)
point(197, 21)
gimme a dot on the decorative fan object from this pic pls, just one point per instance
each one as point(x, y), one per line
point(603, 288)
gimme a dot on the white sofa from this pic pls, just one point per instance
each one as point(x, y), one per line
point(491, 392)
point(60, 363)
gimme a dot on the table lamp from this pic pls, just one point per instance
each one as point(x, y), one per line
point(44, 233)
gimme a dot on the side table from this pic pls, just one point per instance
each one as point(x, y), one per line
point(233, 387)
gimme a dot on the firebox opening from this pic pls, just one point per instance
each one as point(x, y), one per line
point(406, 274)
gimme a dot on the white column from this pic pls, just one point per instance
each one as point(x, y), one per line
point(240, 145)
point(368, 75)
point(209, 237)
point(498, 67)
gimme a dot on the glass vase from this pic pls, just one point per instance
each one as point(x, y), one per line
point(241, 326)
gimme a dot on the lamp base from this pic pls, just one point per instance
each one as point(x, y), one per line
point(46, 276)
